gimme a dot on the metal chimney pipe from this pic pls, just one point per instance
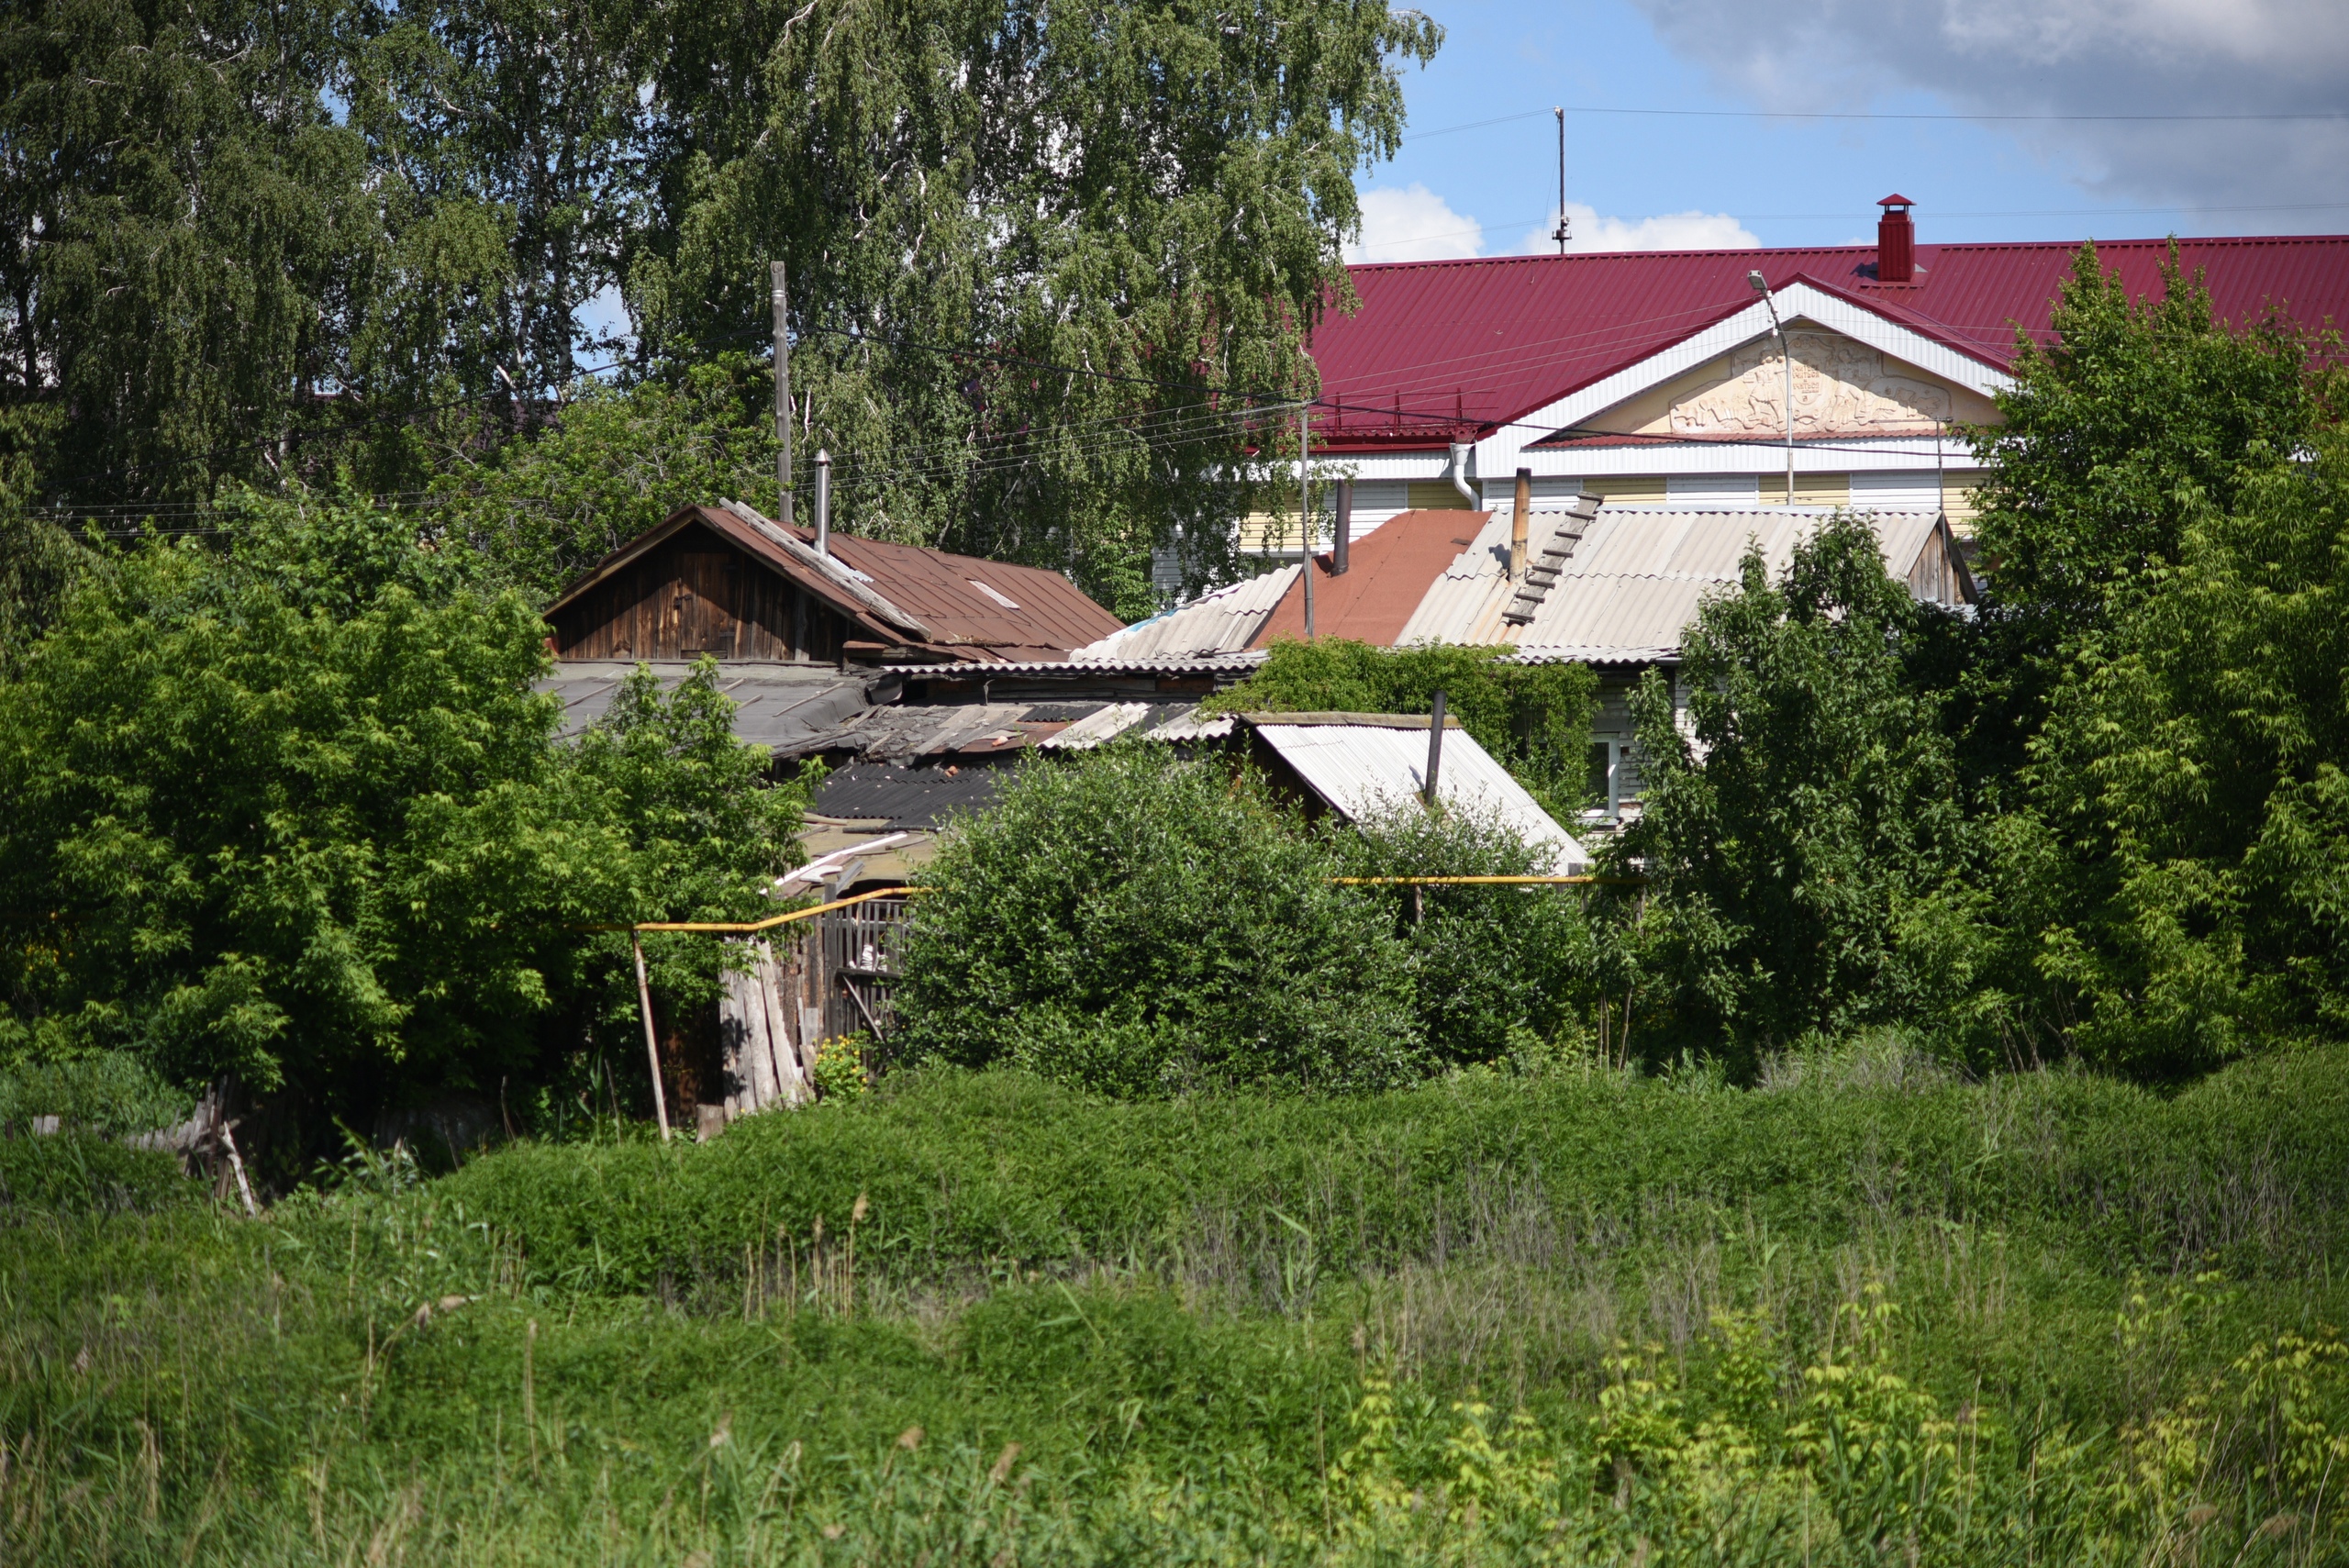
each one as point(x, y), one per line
point(823, 502)
point(1519, 520)
point(1341, 545)
point(1435, 750)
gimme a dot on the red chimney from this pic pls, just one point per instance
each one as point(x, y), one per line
point(1895, 242)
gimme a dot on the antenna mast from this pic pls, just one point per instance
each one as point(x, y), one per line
point(1561, 236)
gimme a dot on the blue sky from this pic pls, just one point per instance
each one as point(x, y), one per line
point(1640, 180)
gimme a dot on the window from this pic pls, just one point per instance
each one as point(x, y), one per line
point(1606, 762)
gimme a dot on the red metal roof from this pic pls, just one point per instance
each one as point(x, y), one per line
point(1451, 349)
point(1386, 577)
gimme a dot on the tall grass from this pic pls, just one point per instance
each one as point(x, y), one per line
point(1846, 1318)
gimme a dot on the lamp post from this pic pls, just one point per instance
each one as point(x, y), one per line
point(1786, 357)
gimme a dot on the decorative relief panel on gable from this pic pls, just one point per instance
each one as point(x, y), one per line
point(1842, 387)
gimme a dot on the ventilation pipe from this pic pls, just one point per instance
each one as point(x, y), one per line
point(1341, 544)
point(1895, 242)
point(1519, 518)
point(823, 502)
point(1460, 472)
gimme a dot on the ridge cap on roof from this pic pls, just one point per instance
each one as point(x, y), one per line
point(839, 572)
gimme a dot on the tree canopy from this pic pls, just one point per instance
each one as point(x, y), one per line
point(1044, 262)
point(306, 824)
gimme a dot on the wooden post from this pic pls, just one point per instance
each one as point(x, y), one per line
point(1435, 750)
point(652, 1046)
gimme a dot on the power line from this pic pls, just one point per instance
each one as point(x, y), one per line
point(2277, 118)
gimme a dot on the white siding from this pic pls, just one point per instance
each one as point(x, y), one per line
point(1895, 490)
point(1549, 490)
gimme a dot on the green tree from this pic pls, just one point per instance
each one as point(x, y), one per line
point(1793, 839)
point(315, 830)
point(616, 462)
point(1533, 719)
point(1122, 221)
point(189, 233)
point(2189, 806)
point(1140, 923)
point(2136, 414)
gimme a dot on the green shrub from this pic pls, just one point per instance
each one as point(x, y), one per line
point(1485, 965)
point(1140, 923)
point(78, 1171)
point(105, 1092)
point(295, 816)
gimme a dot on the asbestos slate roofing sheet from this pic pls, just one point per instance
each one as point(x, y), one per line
point(1366, 772)
point(779, 707)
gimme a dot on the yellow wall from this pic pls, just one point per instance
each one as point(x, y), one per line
point(1637, 489)
point(1435, 496)
point(1811, 489)
point(1957, 498)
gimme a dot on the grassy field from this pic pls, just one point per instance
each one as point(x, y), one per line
point(1864, 1314)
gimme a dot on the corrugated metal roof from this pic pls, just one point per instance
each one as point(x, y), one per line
point(1368, 771)
point(1234, 664)
point(779, 706)
point(1464, 346)
point(1635, 580)
point(1032, 613)
point(1221, 622)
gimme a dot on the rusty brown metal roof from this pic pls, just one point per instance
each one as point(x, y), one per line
point(1009, 612)
point(958, 606)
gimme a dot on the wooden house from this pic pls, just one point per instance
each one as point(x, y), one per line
point(723, 580)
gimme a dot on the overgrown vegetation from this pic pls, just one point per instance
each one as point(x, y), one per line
point(1141, 923)
point(1866, 1314)
point(2101, 814)
point(291, 815)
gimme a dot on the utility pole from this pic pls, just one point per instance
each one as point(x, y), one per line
point(782, 395)
point(1305, 509)
point(1560, 235)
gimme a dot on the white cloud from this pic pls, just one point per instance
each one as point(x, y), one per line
point(1585, 230)
point(2181, 57)
point(1413, 223)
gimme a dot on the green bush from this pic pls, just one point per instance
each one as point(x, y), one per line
point(1486, 966)
point(78, 1171)
point(294, 815)
point(1796, 841)
point(1140, 923)
point(110, 1092)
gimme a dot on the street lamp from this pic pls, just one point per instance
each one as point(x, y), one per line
point(1786, 357)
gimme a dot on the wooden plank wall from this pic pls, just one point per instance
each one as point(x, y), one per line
point(694, 594)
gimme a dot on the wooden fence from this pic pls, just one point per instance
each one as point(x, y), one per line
point(826, 979)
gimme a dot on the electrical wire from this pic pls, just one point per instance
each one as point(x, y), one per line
point(2283, 117)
